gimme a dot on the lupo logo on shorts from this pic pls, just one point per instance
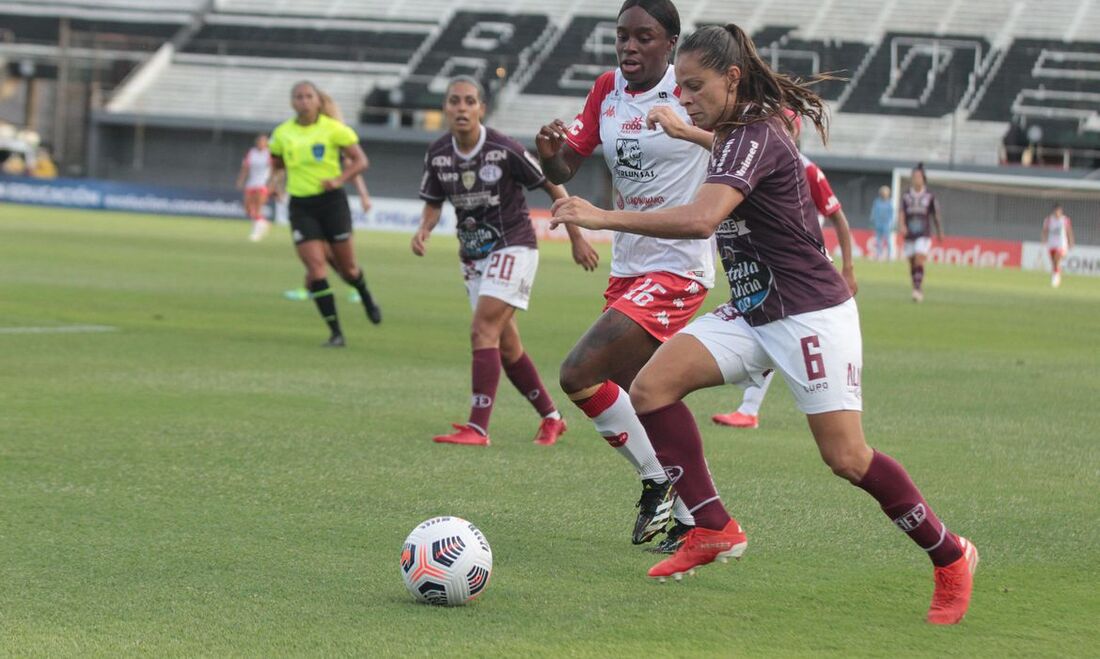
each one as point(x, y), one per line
point(318, 151)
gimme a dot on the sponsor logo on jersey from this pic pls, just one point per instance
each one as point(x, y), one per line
point(628, 161)
point(490, 173)
point(750, 281)
point(642, 201)
point(619, 201)
point(732, 228)
point(471, 200)
point(448, 177)
point(754, 146)
point(496, 155)
point(469, 178)
point(634, 125)
point(855, 375)
point(441, 161)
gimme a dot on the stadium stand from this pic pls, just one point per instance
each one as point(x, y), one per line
point(947, 77)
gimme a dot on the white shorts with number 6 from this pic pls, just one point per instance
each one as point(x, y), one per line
point(819, 353)
point(507, 274)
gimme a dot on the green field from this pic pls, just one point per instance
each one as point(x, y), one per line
point(206, 480)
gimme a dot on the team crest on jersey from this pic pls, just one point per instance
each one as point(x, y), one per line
point(628, 161)
point(318, 151)
point(469, 178)
point(490, 173)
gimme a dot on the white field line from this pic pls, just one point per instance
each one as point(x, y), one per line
point(63, 329)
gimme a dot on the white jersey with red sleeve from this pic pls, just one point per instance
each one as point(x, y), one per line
point(824, 198)
point(259, 167)
point(1057, 234)
point(649, 170)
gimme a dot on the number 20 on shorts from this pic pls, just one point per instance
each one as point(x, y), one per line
point(500, 266)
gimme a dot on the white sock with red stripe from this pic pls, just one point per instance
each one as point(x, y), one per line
point(611, 411)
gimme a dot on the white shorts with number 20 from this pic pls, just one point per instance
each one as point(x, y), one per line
point(819, 353)
point(506, 274)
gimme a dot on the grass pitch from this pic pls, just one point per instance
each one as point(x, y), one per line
point(202, 479)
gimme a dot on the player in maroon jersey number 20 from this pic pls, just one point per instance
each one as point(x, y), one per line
point(657, 159)
point(790, 310)
point(483, 174)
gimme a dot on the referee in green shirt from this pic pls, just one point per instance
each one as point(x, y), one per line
point(311, 147)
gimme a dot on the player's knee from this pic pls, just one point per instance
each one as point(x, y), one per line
point(484, 335)
point(573, 376)
point(848, 464)
point(648, 394)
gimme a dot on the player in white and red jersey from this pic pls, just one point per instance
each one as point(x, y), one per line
point(918, 214)
point(828, 209)
point(1058, 236)
point(656, 285)
point(253, 179)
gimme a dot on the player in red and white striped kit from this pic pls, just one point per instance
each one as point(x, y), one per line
point(656, 285)
point(1058, 237)
point(828, 209)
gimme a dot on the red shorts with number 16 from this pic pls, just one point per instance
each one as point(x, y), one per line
point(661, 302)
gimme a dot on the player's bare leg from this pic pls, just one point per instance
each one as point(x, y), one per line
point(1055, 268)
point(525, 377)
point(839, 437)
point(343, 258)
point(312, 255)
point(596, 374)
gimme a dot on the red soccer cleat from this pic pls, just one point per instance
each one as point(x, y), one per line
point(462, 435)
point(549, 431)
point(737, 420)
point(954, 583)
point(702, 546)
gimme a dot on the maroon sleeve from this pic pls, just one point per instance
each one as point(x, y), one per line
point(746, 157)
point(525, 168)
point(430, 188)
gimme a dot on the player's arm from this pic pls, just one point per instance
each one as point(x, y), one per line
point(584, 254)
point(844, 238)
point(675, 127)
point(354, 163)
point(429, 218)
point(713, 203)
point(1069, 234)
point(242, 174)
point(935, 215)
point(899, 222)
point(558, 159)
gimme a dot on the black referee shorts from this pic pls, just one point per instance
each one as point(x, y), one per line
point(321, 217)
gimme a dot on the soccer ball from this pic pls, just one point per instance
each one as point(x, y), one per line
point(446, 561)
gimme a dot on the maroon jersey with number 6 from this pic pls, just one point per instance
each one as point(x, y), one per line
point(771, 245)
point(486, 188)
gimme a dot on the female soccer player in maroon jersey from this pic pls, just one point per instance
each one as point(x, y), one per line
point(918, 215)
point(483, 174)
point(657, 159)
point(790, 310)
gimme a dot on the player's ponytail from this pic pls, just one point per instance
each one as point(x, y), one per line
point(770, 93)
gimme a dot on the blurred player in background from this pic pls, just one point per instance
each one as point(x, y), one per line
point(657, 159)
point(917, 216)
point(790, 310)
point(255, 179)
point(310, 147)
point(828, 209)
point(483, 173)
point(882, 222)
point(1058, 236)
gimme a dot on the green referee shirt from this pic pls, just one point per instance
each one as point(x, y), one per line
point(311, 153)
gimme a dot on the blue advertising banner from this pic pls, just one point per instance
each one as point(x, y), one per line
point(111, 196)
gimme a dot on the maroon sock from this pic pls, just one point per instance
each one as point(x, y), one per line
point(887, 481)
point(917, 274)
point(525, 377)
point(679, 447)
point(485, 376)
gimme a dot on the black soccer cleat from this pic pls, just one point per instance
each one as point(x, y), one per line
point(673, 539)
point(374, 313)
point(334, 341)
point(654, 510)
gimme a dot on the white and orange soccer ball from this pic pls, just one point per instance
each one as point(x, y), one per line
point(446, 561)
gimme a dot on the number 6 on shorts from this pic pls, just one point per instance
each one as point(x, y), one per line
point(815, 363)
